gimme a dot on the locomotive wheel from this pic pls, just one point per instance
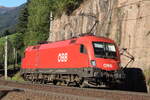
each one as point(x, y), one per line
point(43, 82)
point(57, 82)
point(135, 80)
point(32, 79)
point(24, 76)
point(54, 82)
point(84, 84)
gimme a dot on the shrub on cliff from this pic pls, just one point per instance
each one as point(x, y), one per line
point(60, 6)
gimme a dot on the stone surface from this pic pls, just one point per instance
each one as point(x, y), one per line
point(125, 21)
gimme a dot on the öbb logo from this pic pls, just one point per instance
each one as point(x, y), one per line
point(62, 57)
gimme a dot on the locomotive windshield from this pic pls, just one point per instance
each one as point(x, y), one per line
point(104, 50)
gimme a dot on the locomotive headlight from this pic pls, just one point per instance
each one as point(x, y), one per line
point(93, 63)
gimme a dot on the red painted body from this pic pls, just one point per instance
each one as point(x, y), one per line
point(66, 54)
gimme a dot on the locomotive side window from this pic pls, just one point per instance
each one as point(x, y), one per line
point(104, 50)
point(83, 49)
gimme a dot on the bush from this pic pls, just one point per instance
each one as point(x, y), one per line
point(14, 41)
point(67, 6)
point(17, 78)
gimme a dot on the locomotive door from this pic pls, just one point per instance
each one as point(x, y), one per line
point(37, 56)
point(84, 58)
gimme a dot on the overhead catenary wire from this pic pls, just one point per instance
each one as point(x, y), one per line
point(141, 17)
point(111, 9)
point(129, 4)
point(109, 15)
point(105, 21)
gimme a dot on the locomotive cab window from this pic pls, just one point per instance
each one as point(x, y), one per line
point(83, 49)
point(104, 50)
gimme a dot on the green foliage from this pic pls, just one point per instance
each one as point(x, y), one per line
point(33, 24)
point(17, 41)
point(38, 22)
point(60, 6)
point(23, 19)
point(18, 44)
point(2, 40)
point(6, 32)
point(11, 44)
point(18, 78)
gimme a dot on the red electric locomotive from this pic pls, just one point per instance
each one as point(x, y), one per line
point(83, 60)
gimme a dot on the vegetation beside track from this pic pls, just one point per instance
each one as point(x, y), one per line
point(17, 77)
point(147, 75)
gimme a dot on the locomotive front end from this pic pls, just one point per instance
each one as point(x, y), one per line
point(105, 62)
point(106, 56)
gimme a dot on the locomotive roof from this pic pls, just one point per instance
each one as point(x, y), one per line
point(76, 40)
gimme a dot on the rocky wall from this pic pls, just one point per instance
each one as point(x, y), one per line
point(125, 21)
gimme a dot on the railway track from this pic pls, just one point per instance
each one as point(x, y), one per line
point(72, 93)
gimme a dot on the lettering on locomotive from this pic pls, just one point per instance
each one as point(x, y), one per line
point(107, 65)
point(62, 57)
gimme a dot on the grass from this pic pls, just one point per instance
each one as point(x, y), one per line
point(17, 77)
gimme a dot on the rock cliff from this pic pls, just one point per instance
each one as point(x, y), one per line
point(125, 21)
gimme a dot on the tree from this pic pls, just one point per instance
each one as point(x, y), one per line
point(1, 55)
point(6, 32)
point(38, 22)
point(18, 40)
point(64, 6)
point(23, 19)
